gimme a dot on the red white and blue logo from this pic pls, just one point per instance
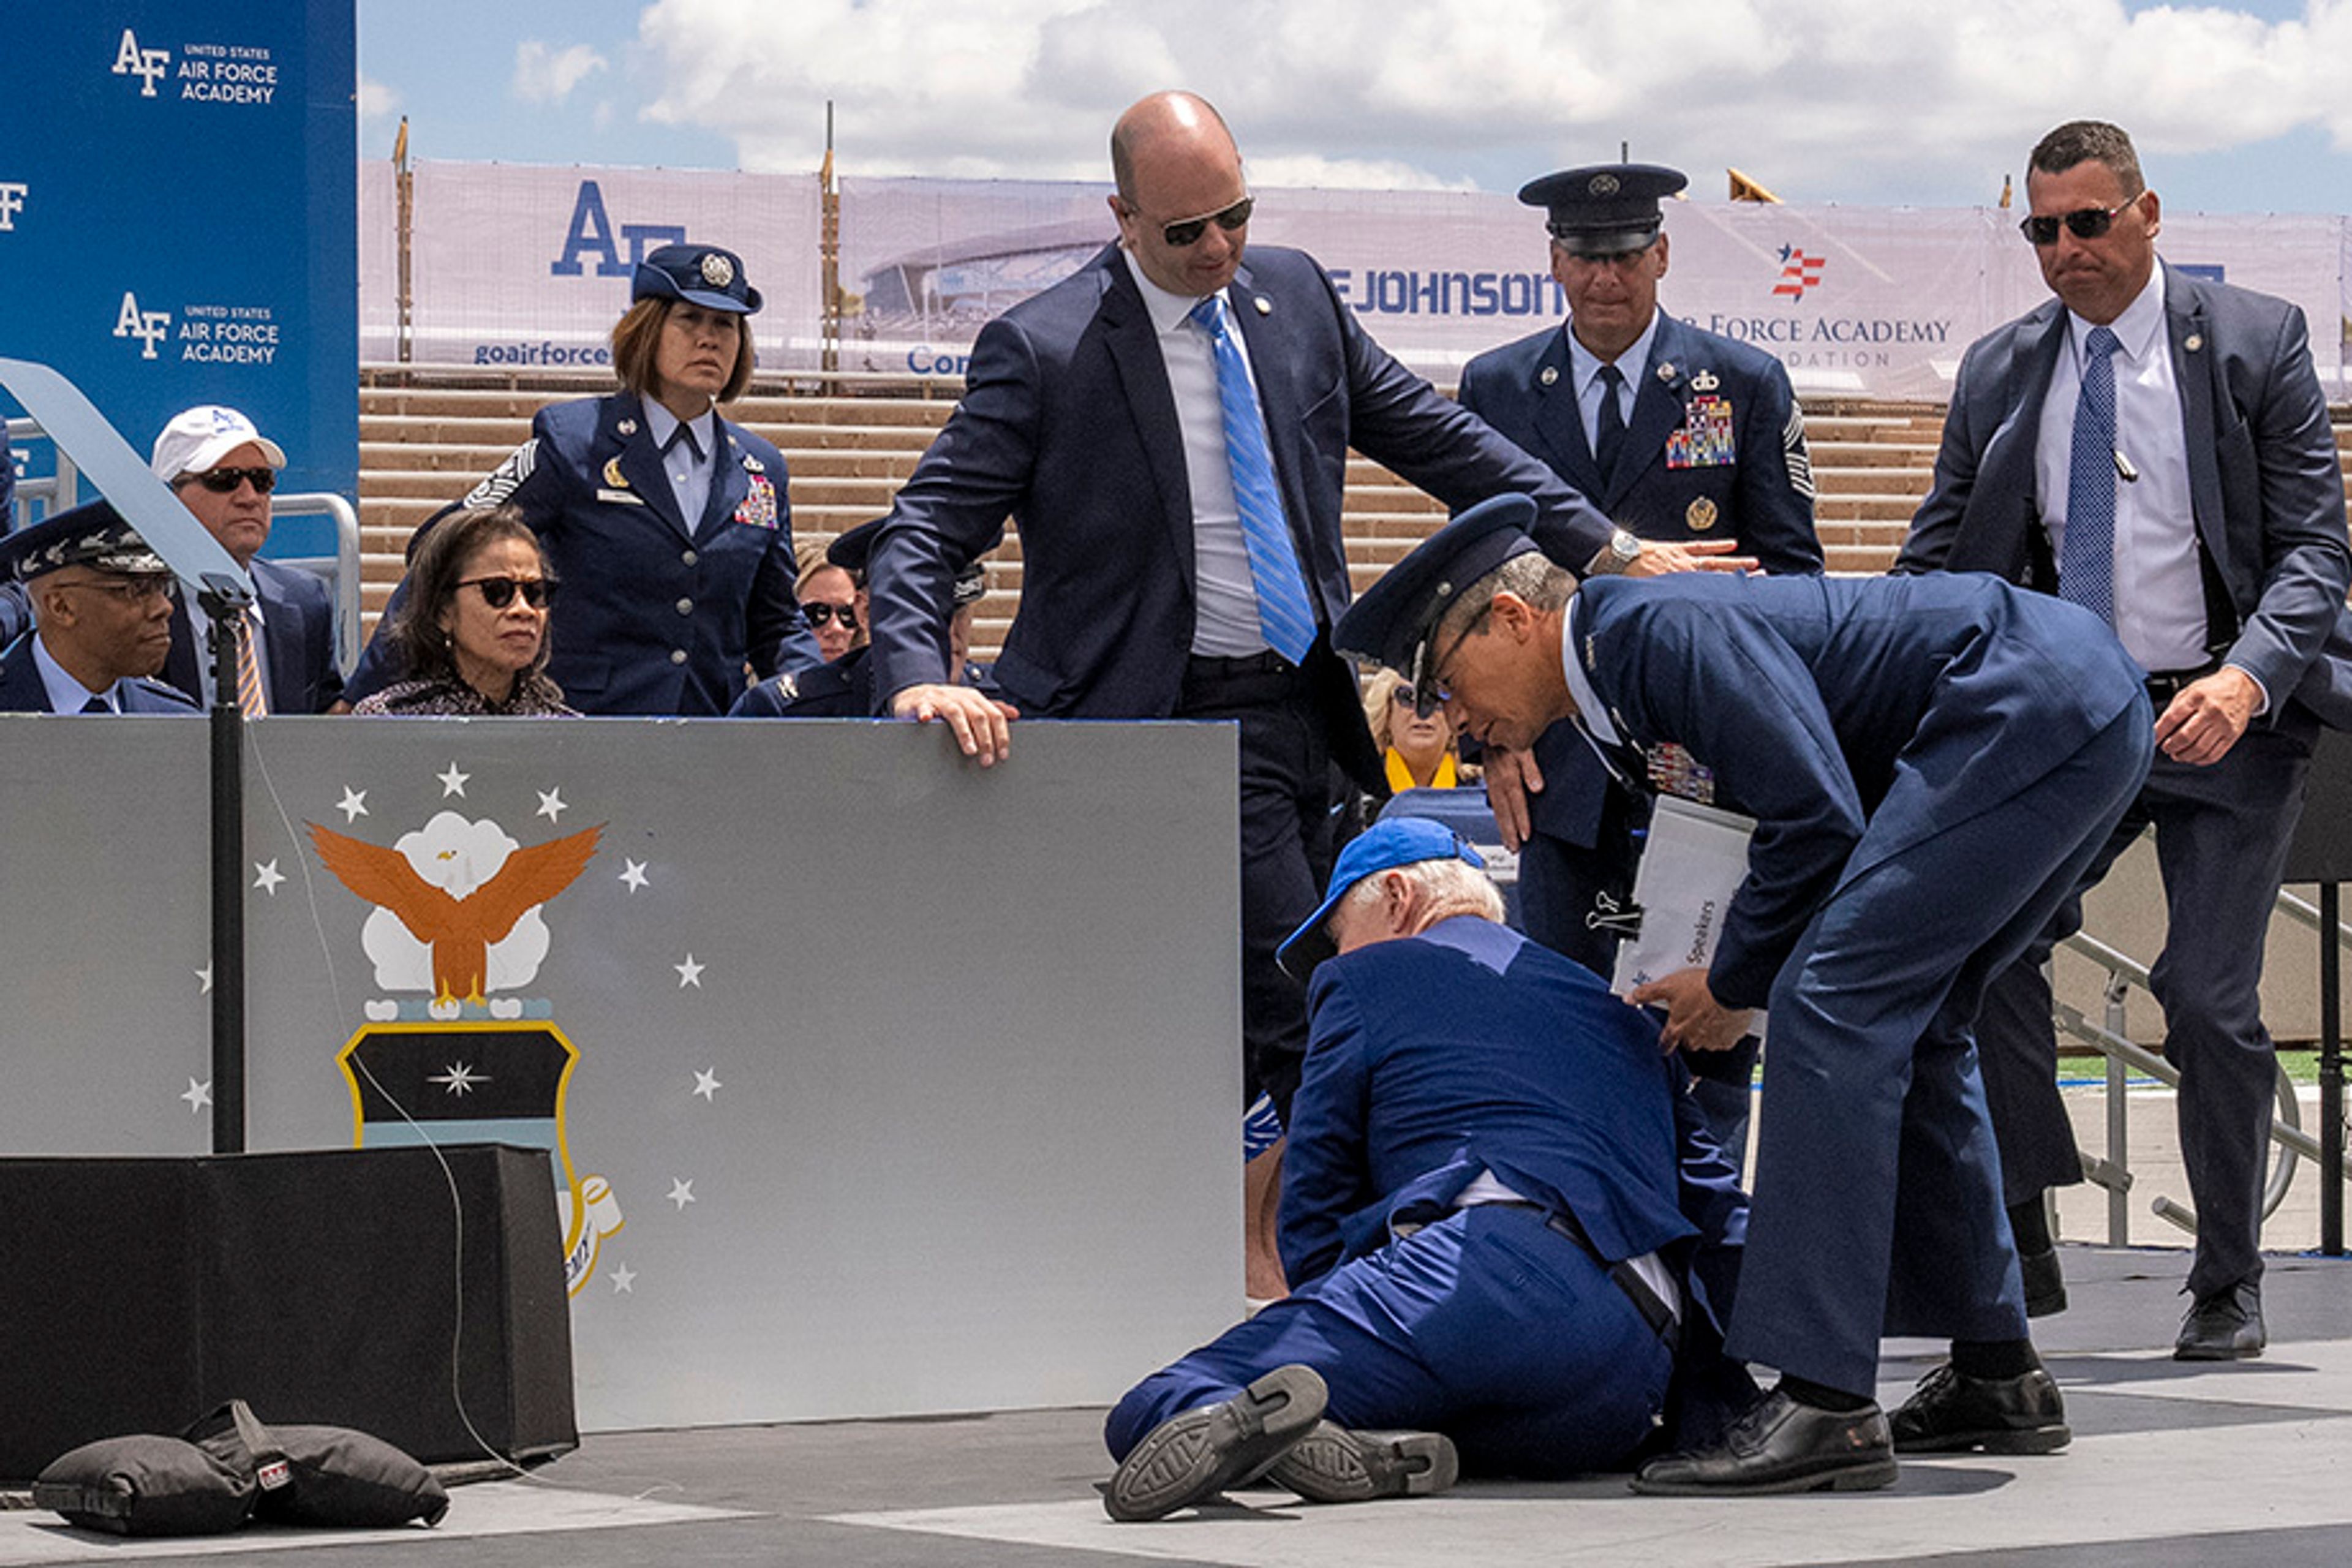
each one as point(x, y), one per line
point(1799, 272)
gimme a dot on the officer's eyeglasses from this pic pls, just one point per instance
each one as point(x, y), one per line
point(1187, 232)
point(130, 590)
point(223, 481)
point(499, 592)
point(2083, 223)
point(1429, 689)
point(820, 613)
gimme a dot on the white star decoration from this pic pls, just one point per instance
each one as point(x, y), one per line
point(707, 1084)
point(681, 1193)
point(204, 979)
point(353, 806)
point(460, 1078)
point(266, 876)
point(199, 1095)
point(452, 782)
point(632, 872)
point(622, 1279)
point(688, 973)
point(551, 805)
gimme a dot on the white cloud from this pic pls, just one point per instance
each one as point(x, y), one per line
point(1823, 99)
point(376, 100)
point(544, 74)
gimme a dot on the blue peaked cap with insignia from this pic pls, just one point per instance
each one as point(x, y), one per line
point(700, 274)
point(1392, 622)
point(92, 535)
point(1383, 846)
point(1604, 209)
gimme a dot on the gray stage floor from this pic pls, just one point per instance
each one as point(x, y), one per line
point(2170, 1465)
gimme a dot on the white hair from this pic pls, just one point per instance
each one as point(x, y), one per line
point(1452, 887)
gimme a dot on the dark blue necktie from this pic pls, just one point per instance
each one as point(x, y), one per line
point(1285, 614)
point(2087, 559)
point(97, 705)
point(1610, 438)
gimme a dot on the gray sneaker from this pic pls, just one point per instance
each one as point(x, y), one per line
point(1332, 1464)
point(1190, 1457)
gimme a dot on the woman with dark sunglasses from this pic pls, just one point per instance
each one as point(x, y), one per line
point(471, 636)
point(829, 600)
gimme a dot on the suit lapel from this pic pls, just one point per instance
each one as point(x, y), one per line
point(730, 481)
point(638, 462)
point(1660, 400)
point(1133, 344)
point(2188, 338)
point(1559, 426)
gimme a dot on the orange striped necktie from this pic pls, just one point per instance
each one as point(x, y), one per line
point(249, 698)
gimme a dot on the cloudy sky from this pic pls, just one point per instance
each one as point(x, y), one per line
point(2245, 107)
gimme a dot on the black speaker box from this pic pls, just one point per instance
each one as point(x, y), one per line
point(373, 1288)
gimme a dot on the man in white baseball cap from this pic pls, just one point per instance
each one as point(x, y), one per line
point(224, 469)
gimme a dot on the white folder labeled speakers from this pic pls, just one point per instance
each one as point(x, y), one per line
point(1694, 861)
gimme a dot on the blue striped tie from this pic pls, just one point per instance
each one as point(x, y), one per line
point(1285, 614)
point(2086, 558)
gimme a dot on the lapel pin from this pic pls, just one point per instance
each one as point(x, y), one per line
point(612, 475)
point(1705, 381)
point(2193, 342)
point(1265, 306)
point(1666, 371)
point(627, 427)
point(1550, 375)
point(753, 464)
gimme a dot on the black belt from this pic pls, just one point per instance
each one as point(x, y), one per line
point(1211, 679)
point(2165, 685)
point(1646, 1301)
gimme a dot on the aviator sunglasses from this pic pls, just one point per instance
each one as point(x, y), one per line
point(2083, 223)
point(499, 592)
point(1186, 232)
point(820, 613)
point(223, 481)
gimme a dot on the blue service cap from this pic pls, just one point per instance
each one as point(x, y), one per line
point(1604, 209)
point(94, 535)
point(1391, 623)
point(702, 274)
point(1383, 846)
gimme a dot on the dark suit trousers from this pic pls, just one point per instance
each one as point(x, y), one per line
point(2221, 838)
point(1285, 842)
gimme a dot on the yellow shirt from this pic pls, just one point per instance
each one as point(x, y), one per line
point(1401, 776)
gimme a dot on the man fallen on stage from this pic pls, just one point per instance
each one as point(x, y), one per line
point(1499, 1217)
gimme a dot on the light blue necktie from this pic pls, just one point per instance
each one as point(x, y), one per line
point(2086, 559)
point(1285, 614)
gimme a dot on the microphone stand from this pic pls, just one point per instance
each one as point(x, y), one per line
point(225, 603)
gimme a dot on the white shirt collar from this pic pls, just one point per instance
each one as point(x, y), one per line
point(2139, 329)
point(660, 422)
point(66, 693)
point(1580, 685)
point(1168, 311)
point(1584, 364)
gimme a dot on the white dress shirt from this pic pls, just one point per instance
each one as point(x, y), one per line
point(1584, 373)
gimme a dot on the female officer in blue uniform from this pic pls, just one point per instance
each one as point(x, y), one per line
point(667, 524)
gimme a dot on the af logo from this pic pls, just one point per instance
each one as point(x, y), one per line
point(457, 926)
point(590, 234)
point(12, 202)
point(150, 326)
point(148, 65)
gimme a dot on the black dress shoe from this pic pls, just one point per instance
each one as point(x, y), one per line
point(1192, 1457)
point(2046, 1282)
point(1951, 1411)
point(1332, 1464)
point(1782, 1446)
point(2225, 1326)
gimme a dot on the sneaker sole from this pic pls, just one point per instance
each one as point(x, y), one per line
point(2000, 1440)
point(1331, 1464)
point(1864, 1478)
point(1198, 1454)
point(2185, 1353)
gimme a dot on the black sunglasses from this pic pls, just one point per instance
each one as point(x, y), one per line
point(819, 613)
point(499, 592)
point(1188, 231)
point(223, 481)
point(2083, 223)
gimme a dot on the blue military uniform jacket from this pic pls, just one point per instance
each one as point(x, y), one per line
point(1716, 449)
point(22, 691)
point(842, 690)
point(659, 613)
point(1470, 1049)
point(2265, 483)
point(1068, 426)
point(1810, 697)
point(298, 638)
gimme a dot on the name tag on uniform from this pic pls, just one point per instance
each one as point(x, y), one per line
point(620, 497)
point(1706, 440)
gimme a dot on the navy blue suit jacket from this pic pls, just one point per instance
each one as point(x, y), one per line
point(656, 614)
point(297, 637)
point(1809, 696)
point(2264, 479)
point(1067, 425)
point(1470, 1049)
point(1760, 492)
point(21, 690)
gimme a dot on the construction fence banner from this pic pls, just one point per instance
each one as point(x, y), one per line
point(527, 266)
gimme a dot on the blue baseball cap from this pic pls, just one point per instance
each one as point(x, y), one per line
point(1383, 846)
point(702, 274)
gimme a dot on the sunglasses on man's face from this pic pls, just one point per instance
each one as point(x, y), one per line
point(223, 481)
point(820, 613)
point(1187, 232)
point(499, 592)
point(2083, 223)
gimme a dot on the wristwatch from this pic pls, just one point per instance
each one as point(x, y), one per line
point(1621, 550)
